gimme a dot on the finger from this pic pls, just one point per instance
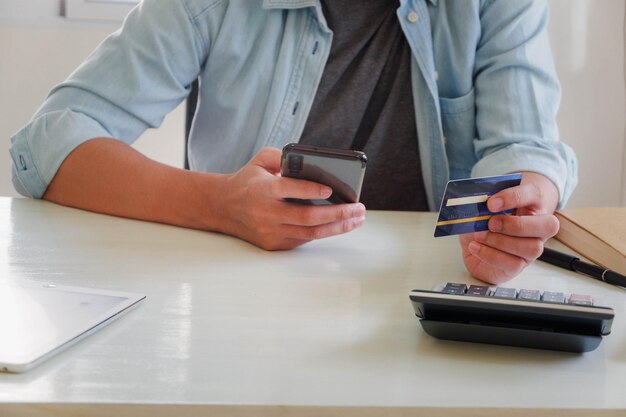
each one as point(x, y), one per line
point(288, 236)
point(487, 273)
point(302, 215)
point(282, 244)
point(540, 226)
point(466, 238)
point(509, 264)
point(284, 187)
point(524, 195)
point(528, 248)
point(478, 268)
point(308, 233)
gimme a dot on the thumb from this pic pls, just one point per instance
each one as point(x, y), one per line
point(269, 159)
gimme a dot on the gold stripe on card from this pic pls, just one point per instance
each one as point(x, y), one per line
point(466, 220)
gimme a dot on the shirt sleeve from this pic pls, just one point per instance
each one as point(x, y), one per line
point(517, 96)
point(127, 85)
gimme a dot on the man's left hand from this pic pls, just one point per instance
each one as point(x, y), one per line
point(513, 241)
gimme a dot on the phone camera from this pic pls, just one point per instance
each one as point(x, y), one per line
point(295, 163)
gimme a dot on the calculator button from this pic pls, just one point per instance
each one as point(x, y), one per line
point(580, 300)
point(529, 295)
point(553, 297)
point(454, 288)
point(502, 292)
point(478, 290)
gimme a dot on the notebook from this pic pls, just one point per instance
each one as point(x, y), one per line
point(597, 233)
point(39, 320)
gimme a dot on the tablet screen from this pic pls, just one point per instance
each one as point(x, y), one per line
point(38, 320)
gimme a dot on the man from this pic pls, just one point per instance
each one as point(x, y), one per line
point(429, 89)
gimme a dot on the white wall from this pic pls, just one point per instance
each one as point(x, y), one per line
point(38, 50)
point(588, 45)
point(29, 9)
point(35, 54)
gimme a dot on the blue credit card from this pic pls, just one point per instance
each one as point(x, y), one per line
point(464, 205)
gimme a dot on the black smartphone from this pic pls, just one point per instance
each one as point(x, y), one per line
point(342, 170)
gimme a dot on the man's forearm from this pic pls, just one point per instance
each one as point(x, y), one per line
point(108, 176)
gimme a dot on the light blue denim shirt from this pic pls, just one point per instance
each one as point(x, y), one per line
point(483, 83)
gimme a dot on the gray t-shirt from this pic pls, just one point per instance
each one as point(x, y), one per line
point(364, 101)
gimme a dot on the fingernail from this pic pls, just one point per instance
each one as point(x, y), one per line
point(360, 210)
point(495, 224)
point(480, 236)
point(325, 192)
point(496, 204)
point(474, 247)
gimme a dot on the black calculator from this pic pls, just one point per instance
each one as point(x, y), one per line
point(510, 316)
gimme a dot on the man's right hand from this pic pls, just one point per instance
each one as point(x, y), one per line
point(256, 210)
point(108, 176)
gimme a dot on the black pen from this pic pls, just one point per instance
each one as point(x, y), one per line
point(573, 263)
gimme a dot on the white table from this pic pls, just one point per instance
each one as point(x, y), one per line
point(323, 330)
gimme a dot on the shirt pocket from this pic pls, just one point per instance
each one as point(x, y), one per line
point(458, 118)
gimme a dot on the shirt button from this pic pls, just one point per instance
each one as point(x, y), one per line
point(412, 17)
point(436, 74)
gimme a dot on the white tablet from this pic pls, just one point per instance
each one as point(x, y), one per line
point(37, 320)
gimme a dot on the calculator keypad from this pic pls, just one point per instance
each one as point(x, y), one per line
point(515, 294)
point(529, 295)
point(478, 290)
point(503, 292)
point(454, 288)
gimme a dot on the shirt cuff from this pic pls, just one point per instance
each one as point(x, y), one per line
point(39, 149)
point(557, 163)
